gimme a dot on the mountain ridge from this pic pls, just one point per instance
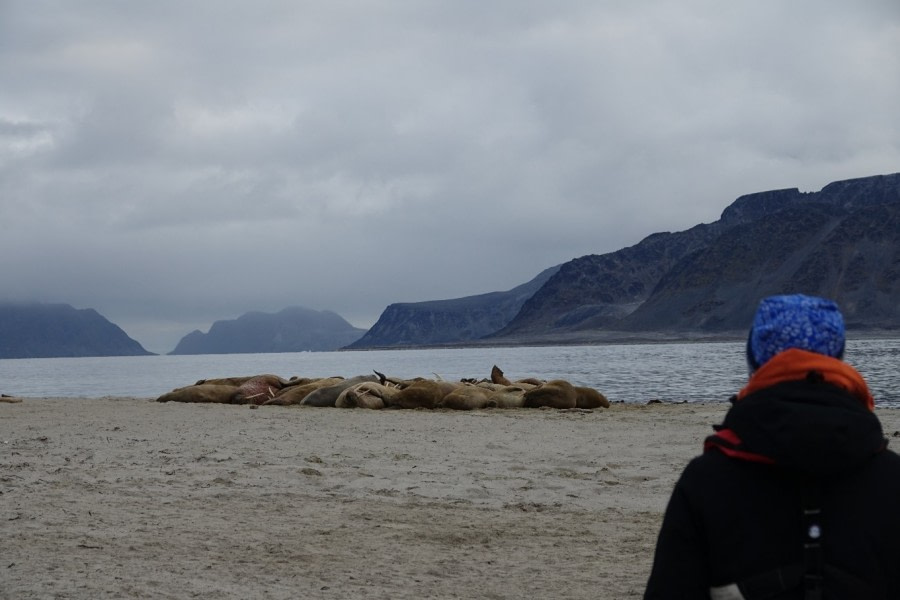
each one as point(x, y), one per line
point(764, 243)
point(293, 329)
point(842, 242)
point(442, 322)
point(38, 330)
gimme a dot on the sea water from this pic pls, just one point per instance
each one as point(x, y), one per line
point(671, 372)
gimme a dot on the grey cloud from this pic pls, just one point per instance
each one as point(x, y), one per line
point(175, 163)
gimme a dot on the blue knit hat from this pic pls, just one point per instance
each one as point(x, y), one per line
point(795, 321)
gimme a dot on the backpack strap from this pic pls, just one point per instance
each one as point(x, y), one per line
point(813, 563)
point(807, 574)
point(772, 583)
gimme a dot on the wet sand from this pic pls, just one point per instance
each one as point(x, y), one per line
point(126, 497)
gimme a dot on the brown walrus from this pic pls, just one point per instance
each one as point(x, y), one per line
point(296, 393)
point(259, 389)
point(588, 397)
point(423, 393)
point(496, 387)
point(497, 376)
point(206, 392)
point(369, 394)
point(556, 393)
point(235, 381)
point(487, 385)
point(299, 381)
point(468, 397)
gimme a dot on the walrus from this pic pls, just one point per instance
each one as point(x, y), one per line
point(206, 392)
point(556, 393)
point(328, 395)
point(296, 393)
point(299, 381)
point(393, 381)
point(423, 393)
point(487, 385)
point(368, 394)
point(235, 381)
point(497, 376)
point(257, 390)
point(468, 397)
point(509, 397)
point(588, 397)
point(496, 387)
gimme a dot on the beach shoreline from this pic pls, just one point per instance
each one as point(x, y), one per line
point(127, 497)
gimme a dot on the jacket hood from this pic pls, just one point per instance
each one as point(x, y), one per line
point(813, 420)
point(814, 428)
point(795, 364)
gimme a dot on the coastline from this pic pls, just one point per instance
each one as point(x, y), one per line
point(602, 337)
point(130, 497)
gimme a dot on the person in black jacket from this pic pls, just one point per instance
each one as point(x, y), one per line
point(796, 494)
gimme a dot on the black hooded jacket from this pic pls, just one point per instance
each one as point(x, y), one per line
point(736, 520)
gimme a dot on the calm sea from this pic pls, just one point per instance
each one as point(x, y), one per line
point(692, 372)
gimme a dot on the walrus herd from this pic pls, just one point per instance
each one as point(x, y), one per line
point(379, 391)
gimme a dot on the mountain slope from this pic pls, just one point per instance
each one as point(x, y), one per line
point(598, 290)
point(448, 321)
point(34, 330)
point(840, 242)
point(851, 256)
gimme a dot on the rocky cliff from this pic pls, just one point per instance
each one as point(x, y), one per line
point(455, 321)
point(597, 291)
point(842, 242)
point(294, 329)
point(849, 255)
point(34, 330)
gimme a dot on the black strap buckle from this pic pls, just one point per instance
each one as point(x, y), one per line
point(813, 561)
point(812, 587)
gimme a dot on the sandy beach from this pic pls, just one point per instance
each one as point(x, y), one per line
point(127, 497)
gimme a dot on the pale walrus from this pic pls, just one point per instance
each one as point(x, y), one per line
point(557, 393)
point(509, 397)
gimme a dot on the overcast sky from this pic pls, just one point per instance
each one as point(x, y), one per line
point(173, 163)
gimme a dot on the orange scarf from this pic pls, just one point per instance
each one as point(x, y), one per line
point(794, 364)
